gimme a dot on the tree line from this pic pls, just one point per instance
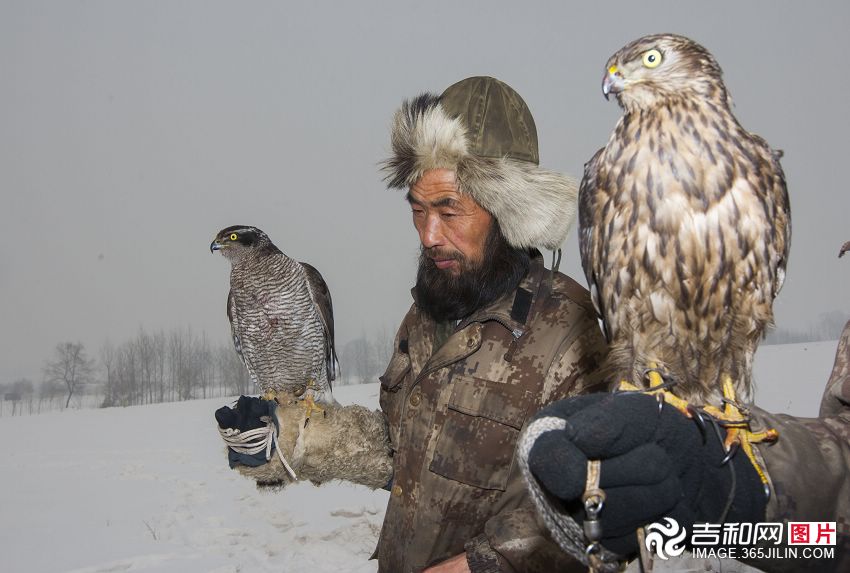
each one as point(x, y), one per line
point(364, 358)
point(151, 367)
point(155, 367)
point(163, 366)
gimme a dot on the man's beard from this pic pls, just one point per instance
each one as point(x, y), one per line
point(446, 296)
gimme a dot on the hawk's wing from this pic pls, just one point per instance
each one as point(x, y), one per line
point(844, 248)
point(780, 218)
point(321, 296)
point(234, 324)
point(587, 233)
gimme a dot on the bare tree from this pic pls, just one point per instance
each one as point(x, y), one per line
point(69, 365)
point(232, 371)
point(383, 347)
point(50, 392)
point(159, 366)
point(358, 355)
point(109, 360)
point(182, 357)
point(151, 367)
point(24, 388)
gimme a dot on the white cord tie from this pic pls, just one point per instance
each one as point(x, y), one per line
point(255, 441)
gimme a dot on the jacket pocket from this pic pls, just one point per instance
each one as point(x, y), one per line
point(477, 439)
point(390, 397)
point(396, 371)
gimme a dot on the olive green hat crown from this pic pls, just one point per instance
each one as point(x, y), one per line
point(497, 121)
point(481, 129)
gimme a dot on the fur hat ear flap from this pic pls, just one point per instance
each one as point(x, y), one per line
point(423, 137)
point(534, 207)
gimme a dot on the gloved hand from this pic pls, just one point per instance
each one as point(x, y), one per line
point(654, 463)
point(244, 417)
point(348, 443)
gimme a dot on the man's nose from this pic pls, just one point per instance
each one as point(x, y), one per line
point(431, 233)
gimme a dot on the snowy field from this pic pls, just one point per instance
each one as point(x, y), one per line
point(147, 488)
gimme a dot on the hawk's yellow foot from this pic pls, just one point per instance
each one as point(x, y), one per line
point(310, 406)
point(733, 417)
point(658, 389)
point(736, 420)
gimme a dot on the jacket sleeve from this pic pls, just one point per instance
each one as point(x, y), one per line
point(514, 540)
point(809, 466)
point(349, 443)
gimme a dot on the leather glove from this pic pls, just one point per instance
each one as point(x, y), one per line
point(655, 462)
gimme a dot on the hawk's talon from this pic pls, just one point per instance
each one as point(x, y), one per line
point(696, 416)
point(733, 449)
point(732, 416)
point(310, 406)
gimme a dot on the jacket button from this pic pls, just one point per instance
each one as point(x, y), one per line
point(397, 490)
point(415, 398)
point(471, 342)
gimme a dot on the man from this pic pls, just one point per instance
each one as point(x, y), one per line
point(492, 337)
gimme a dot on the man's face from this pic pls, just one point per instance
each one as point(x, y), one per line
point(465, 262)
point(452, 227)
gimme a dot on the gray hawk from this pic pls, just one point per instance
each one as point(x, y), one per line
point(281, 317)
point(685, 225)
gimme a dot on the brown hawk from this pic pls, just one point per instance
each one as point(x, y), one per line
point(684, 223)
point(281, 316)
point(844, 248)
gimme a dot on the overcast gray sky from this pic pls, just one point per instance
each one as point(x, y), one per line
point(130, 132)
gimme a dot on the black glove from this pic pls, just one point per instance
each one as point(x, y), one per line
point(246, 416)
point(655, 463)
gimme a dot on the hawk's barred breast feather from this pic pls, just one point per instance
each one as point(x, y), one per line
point(684, 222)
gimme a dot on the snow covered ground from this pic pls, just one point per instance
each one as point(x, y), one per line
point(147, 488)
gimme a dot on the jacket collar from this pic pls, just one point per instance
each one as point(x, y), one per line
point(513, 309)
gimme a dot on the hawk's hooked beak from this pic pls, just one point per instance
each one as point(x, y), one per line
point(214, 246)
point(612, 82)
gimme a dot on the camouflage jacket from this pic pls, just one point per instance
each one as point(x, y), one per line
point(454, 412)
point(809, 467)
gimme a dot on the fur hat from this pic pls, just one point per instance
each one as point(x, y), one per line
point(481, 129)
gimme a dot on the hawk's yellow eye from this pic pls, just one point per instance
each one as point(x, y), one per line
point(652, 59)
point(233, 237)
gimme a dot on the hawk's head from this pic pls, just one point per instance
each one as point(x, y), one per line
point(240, 241)
point(661, 68)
